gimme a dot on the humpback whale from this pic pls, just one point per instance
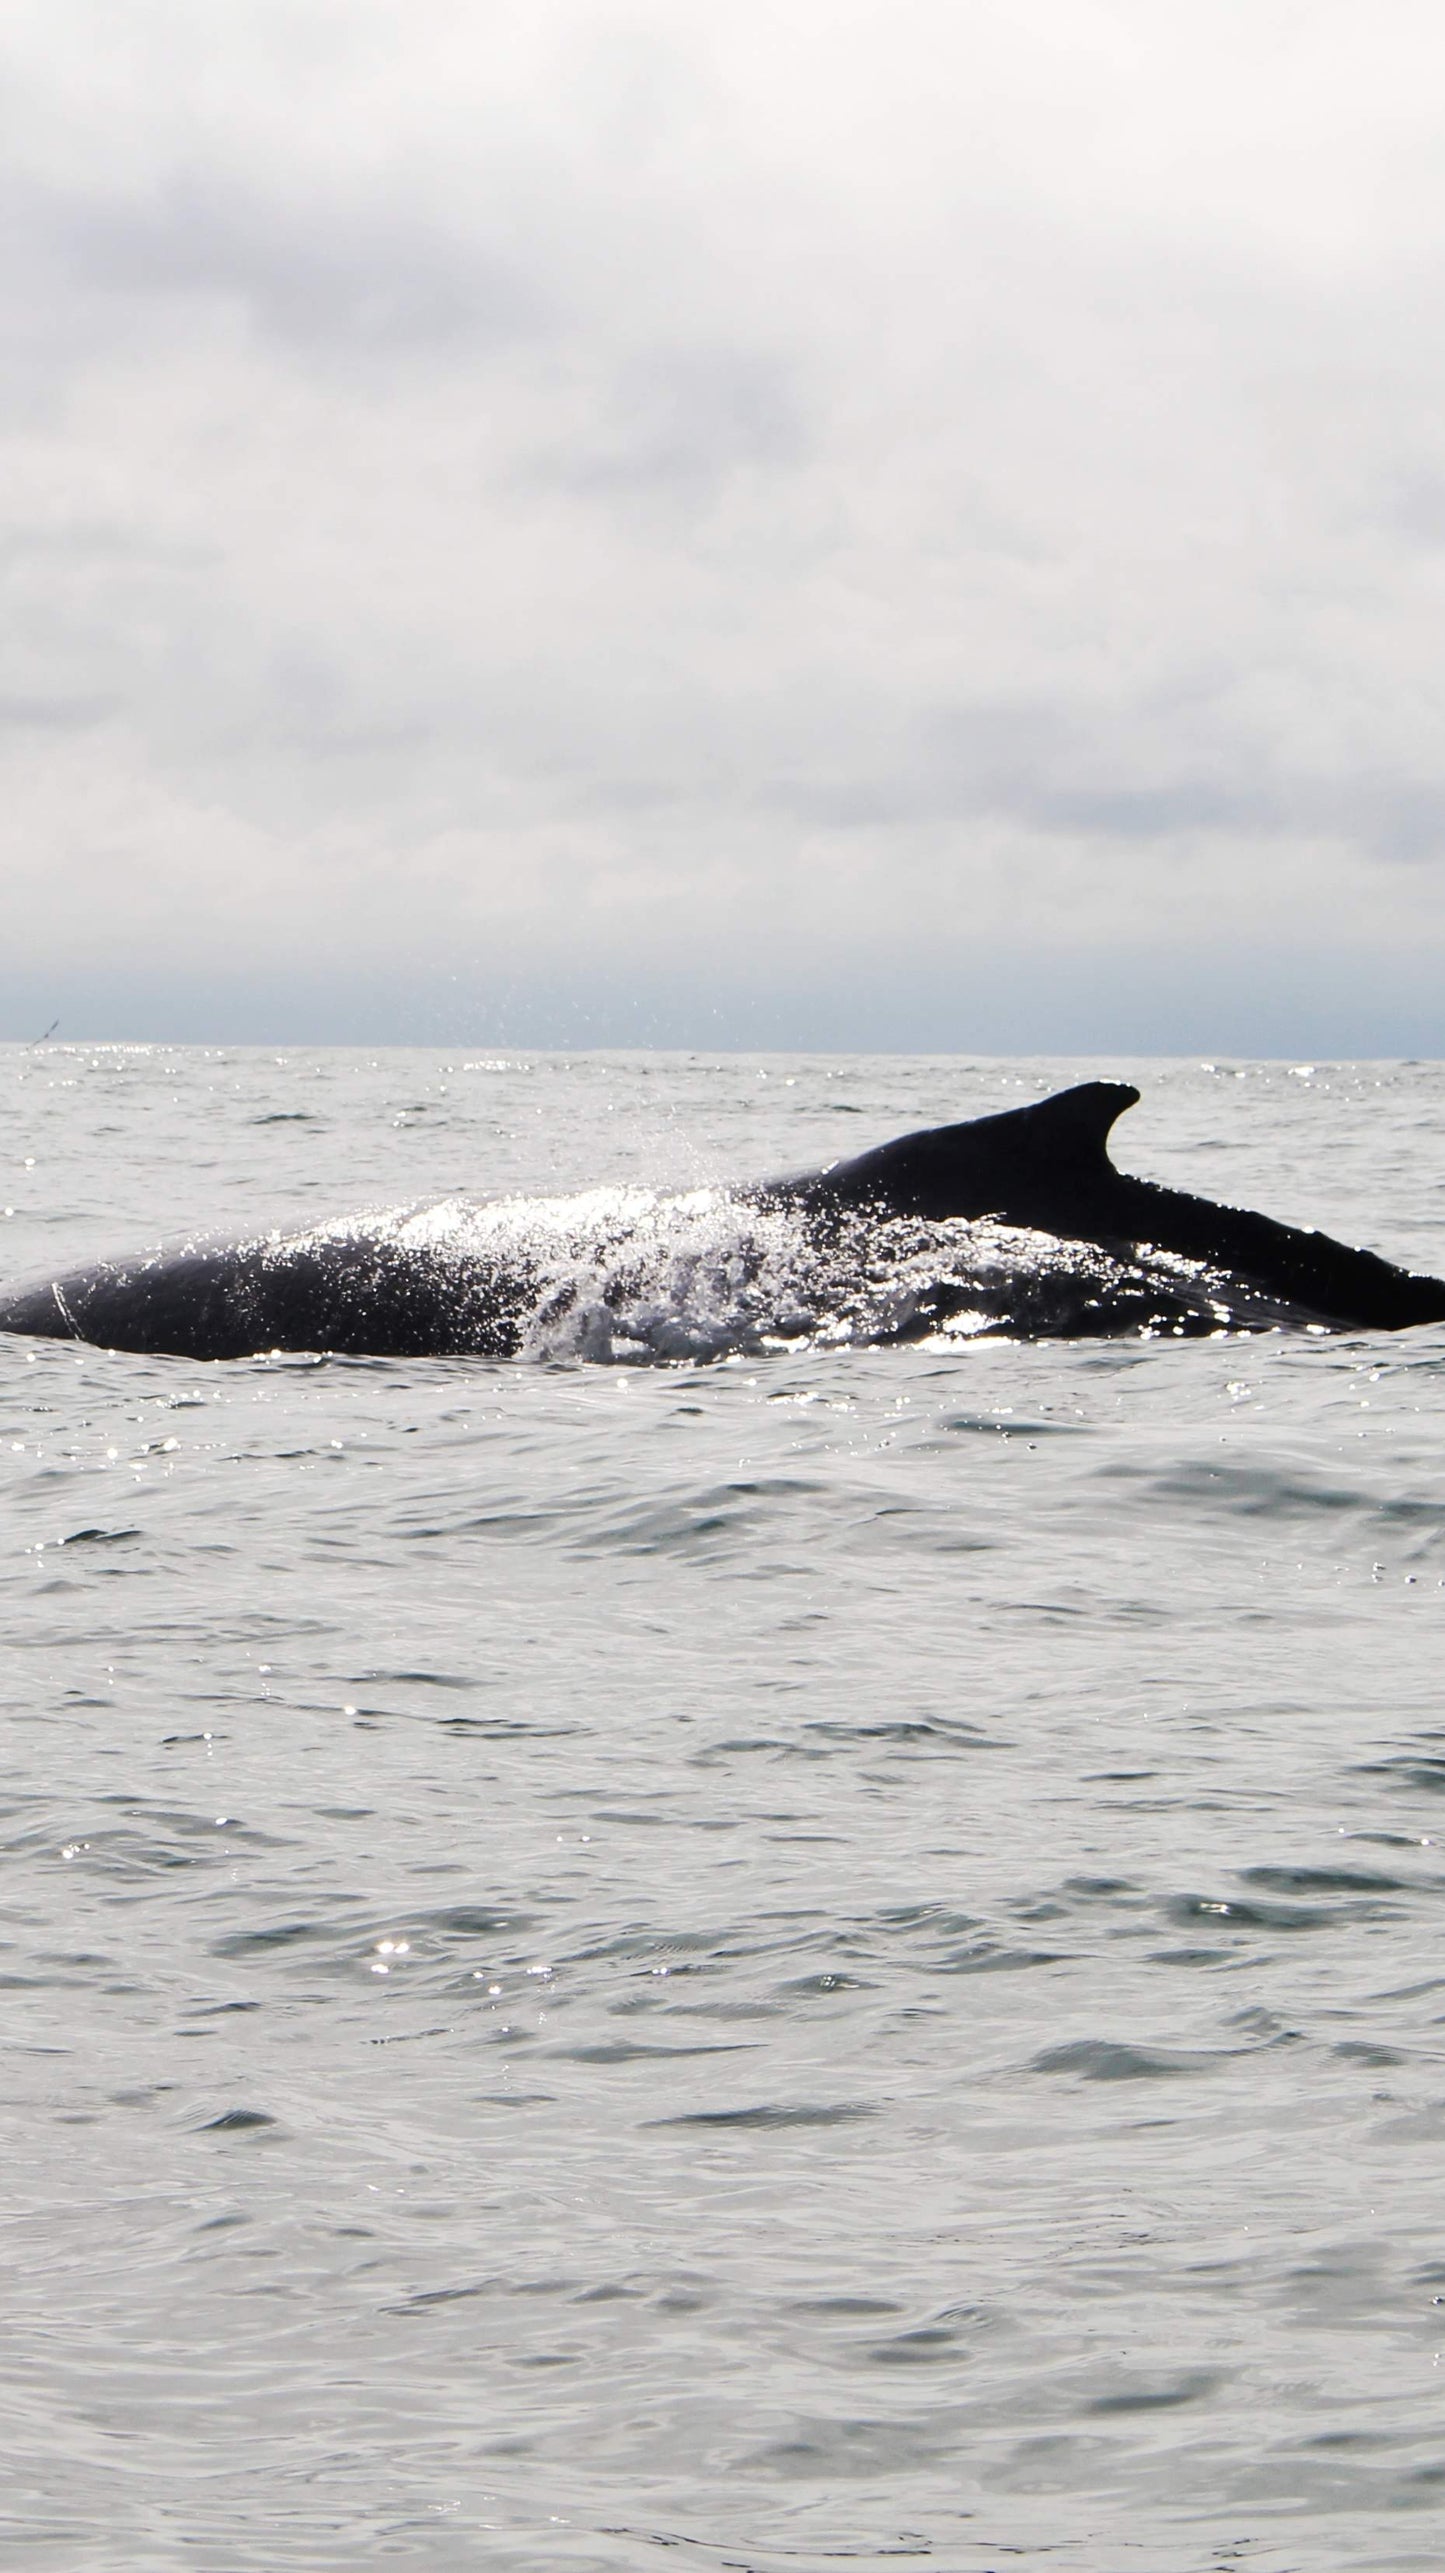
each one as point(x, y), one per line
point(1012, 1223)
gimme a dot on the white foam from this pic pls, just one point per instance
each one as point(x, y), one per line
point(630, 1277)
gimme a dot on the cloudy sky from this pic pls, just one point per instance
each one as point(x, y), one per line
point(818, 522)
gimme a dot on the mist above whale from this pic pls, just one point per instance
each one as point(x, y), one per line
point(1015, 1223)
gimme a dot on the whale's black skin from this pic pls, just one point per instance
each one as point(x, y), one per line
point(360, 1291)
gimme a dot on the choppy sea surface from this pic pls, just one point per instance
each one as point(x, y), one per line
point(826, 1956)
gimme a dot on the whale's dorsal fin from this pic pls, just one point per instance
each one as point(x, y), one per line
point(1033, 1165)
point(1072, 1126)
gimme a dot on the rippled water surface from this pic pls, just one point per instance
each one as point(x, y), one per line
point(829, 1958)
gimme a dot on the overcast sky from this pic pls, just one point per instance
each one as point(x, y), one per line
point(873, 522)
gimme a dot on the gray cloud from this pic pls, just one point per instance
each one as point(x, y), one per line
point(317, 274)
point(674, 422)
point(54, 714)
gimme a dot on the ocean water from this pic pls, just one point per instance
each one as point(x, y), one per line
point(800, 1957)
